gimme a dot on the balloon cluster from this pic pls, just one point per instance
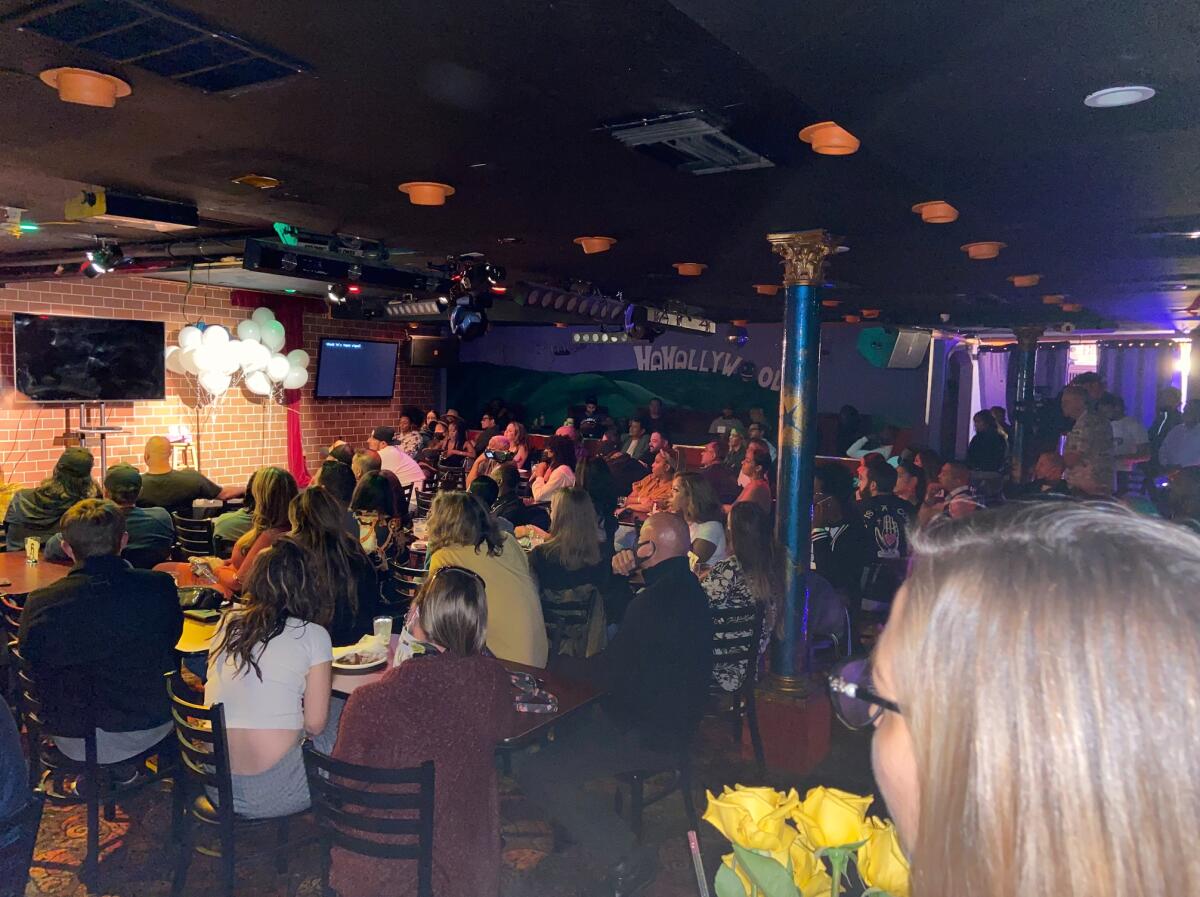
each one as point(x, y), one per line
point(219, 361)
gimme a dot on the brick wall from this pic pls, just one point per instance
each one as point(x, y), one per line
point(236, 435)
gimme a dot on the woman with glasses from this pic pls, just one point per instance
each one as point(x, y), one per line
point(463, 533)
point(1034, 704)
point(450, 705)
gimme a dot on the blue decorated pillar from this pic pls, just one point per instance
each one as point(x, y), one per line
point(804, 254)
point(1023, 415)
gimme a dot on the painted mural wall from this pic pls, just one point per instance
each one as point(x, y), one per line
point(545, 372)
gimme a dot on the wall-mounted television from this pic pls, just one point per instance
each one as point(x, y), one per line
point(433, 351)
point(67, 359)
point(356, 369)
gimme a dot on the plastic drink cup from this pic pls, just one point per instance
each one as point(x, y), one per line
point(32, 549)
point(383, 628)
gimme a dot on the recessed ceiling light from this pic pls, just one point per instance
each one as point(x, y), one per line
point(1125, 95)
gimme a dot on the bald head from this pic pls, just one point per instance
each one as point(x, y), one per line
point(670, 536)
point(158, 454)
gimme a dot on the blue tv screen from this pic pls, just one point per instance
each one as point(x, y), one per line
point(356, 369)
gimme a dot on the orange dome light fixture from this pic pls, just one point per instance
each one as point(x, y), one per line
point(257, 181)
point(86, 87)
point(831, 303)
point(987, 249)
point(828, 138)
point(1072, 307)
point(936, 211)
point(870, 313)
point(592, 245)
point(1025, 280)
point(689, 269)
point(766, 289)
point(851, 319)
point(426, 193)
point(1053, 299)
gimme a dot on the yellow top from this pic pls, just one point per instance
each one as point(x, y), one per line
point(515, 628)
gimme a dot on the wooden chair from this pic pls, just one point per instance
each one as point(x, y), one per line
point(736, 635)
point(575, 622)
point(204, 762)
point(401, 588)
point(193, 537)
point(425, 497)
point(451, 479)
point(95, 784)
point(350, 803)
point(679, 779)
point(17, 855)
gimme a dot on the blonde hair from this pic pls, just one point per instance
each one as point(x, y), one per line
point(458, 518)
point(574, 541)
point(273, 489)
point(700, 502)
point(1046, 663)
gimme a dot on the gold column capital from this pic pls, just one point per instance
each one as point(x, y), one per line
point(1028, 336)
point(804, 254)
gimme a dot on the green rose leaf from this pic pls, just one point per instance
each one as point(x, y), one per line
point(727, 884)
point(771, 878)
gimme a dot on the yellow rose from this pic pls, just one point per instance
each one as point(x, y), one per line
point(832, 818)
point(808, 872)
point(881, 862)
point(755, 818)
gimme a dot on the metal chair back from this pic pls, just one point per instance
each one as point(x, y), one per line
point(194, 537)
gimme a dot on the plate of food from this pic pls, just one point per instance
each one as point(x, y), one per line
point(360, 661)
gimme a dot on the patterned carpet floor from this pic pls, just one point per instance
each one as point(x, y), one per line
point(136, 858)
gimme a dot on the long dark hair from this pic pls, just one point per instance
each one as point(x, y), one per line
point(377, 494)
point(456, 434)
point(761, 558)
point(280, 584)
point(336, 558)
point(274, 488)
point(563, 451)
point(595, 476)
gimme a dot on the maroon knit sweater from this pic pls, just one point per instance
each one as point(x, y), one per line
point(451, 710)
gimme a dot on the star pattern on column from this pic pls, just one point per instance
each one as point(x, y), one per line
point(792, 417)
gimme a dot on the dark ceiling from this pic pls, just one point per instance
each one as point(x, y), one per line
point(979, 104)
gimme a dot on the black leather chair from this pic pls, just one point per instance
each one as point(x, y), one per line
point(358, 809)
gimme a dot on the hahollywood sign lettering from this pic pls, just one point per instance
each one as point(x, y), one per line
point(704, 361)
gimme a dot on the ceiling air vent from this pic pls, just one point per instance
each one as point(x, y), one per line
point(160, 39)
point(689, 143)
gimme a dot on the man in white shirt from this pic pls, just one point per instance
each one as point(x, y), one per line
point(393, 458)
point(1131, 442)
point(1181, 448)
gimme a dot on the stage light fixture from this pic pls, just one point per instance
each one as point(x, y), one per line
point(104, 260)
point(443, 301)
point(468, 322)
point(335, 293)
point(739, 336)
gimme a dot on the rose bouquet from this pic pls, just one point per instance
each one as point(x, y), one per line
point(786, 847)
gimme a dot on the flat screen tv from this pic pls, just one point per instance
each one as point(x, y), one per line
point(66, 359)
point(356, 369)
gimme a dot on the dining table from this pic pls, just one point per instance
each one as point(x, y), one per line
point(196, 633)
point(19, 577)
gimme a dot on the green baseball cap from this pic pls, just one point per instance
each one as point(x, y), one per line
point(123, 478)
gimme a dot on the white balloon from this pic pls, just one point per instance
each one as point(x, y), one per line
point(297, 359)
point(215, 335)
point(248, 329)
point(261, 315)
point(190, 337)
point(273, 336)
point(187, 361)
point(206, 358)
point(255, 357)
point(295, 379)
point(277, 368)
point(230, 357)
point(172, 359)
point(258, 383)
point(215, 382)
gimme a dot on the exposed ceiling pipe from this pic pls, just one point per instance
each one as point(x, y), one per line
point(143, 258)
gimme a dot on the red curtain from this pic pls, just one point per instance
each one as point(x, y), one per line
point(289, 311)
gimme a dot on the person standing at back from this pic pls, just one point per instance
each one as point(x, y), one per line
point(100, 640)
point(655, 676)
point(1090, 442)
point(175, 490)
point(1166, 418)
point(988, 448)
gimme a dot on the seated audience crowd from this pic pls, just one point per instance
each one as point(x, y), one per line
point(501, 530)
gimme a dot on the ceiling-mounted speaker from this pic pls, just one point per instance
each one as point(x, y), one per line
point(887, 347)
